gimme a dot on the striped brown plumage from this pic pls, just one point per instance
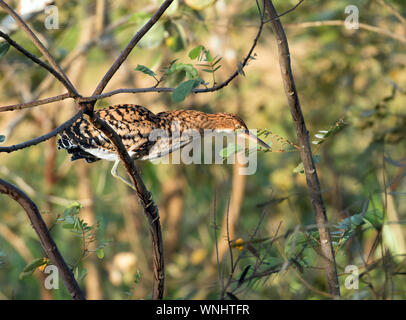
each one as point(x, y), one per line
point(134, 124)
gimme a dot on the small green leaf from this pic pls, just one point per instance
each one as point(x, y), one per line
point(375, 218)
point(209, 58)
point(2, 138)
point(145, 70)
point(195, 52)
point(72, 209)
point(183, 90)
point(100, 253)
point(299, 168)
point(4, 46)
point(32, 266)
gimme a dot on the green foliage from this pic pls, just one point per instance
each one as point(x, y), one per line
point(184, 89)
point(2, 138)
point(145, 70)
point(32, 266)
point(4, 46)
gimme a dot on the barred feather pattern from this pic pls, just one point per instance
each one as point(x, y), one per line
point(135, 125)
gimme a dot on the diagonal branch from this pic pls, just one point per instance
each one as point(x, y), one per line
point(46, 66)
point(130, 46)
point(150, 209)
point(339, 23)
point(43, 138)
point(305, 150)
point(45, 238)
point(35, 103)
point(37, 43)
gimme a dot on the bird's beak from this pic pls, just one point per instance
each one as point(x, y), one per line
point(257, 140)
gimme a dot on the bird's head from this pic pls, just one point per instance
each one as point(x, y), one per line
point(223, 121)
point(229, 121)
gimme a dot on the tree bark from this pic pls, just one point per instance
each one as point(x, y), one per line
point(305, 151)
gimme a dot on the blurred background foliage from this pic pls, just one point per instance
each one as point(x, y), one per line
point(352, 84)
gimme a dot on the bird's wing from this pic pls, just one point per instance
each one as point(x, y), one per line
point(132, 123)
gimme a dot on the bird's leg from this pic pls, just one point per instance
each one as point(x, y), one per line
point(115, 174)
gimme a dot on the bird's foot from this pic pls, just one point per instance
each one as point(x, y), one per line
point(115, 174)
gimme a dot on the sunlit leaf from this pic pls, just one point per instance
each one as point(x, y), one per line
point(195, 52)
point(100, 253)
point(183, 90)
point(145, 70)
point(32, 266)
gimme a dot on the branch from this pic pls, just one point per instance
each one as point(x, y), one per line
point(43, 138)
point(305, 150)
point(340, 23)
point(150, 209)
point(394, 11)
point(35, 103)
point(46, 66)
point(45, 238)
point(38, 44)
point(124, 54)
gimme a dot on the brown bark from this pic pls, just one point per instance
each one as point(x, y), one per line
point(305, 150)
point(45, 238)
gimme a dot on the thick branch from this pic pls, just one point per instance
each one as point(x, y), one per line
point(150, 209)
point(305, 150)
point(45, 238)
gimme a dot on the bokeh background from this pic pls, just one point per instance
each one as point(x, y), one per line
point(351, 83)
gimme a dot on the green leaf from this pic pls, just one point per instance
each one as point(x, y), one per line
point(375, 218)
point(145, 70)
point(209, 58)
point(2, 138)
point(72, 209)
point(32, 266)
point(299, 168)
point(4, 46)
point(100, 253)
point(183, 90)
point(189, 70)
point(195, 52)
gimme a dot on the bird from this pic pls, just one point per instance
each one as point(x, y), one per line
point(136, 126)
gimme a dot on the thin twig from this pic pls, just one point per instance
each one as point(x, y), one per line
point(394, 11)
point(130, 46)
point(35, 103)
point(44, 65)
point(38, 44)
point(340, 23)
point(43, 138)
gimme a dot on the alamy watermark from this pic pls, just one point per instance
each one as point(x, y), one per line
point(352, 281)
point(51, 281)
point(352, 20)
point(204, 147)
